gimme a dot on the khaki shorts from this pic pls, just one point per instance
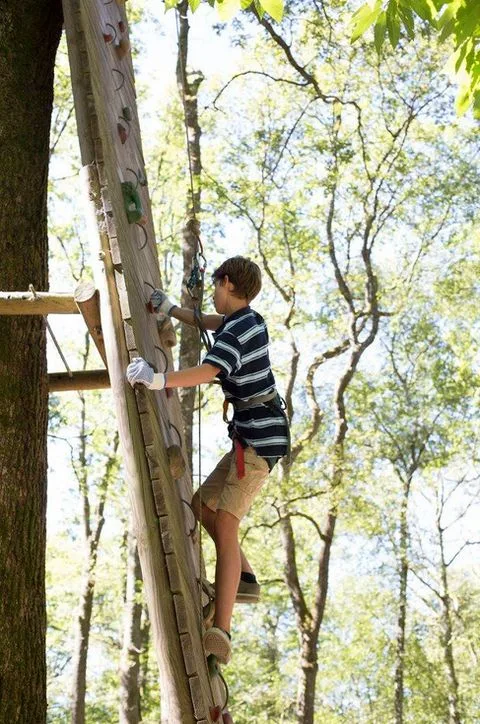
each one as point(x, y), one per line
point(223, 490)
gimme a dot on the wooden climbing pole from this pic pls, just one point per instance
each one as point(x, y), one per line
point(122, 235)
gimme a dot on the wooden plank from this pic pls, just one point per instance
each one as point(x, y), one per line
point(129, 279)
point(80, 380)
point(12, 303)
point(176, 697)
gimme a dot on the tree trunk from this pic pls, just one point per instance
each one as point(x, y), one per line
point(79, 685)
point(307, 680)
point(402, 602)
point(132, 639)
point(454, 716)
point(189, 342)
point(29, 32)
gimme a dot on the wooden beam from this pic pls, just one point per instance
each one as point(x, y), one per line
point(12, 303)
point(81, 380)
point(88, 301)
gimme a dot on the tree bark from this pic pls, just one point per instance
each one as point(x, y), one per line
point(29, 32)
point(188, 85)
point(130, 703)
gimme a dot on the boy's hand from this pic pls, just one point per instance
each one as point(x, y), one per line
point(139, 372)
point(160, 302)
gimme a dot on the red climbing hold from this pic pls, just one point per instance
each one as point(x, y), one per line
point(215, 712)
point(121, 26)
point(108, 37)
point(122, 133)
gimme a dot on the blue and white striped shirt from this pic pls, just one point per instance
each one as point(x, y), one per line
point(240, 351)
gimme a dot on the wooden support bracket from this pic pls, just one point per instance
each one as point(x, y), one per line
point(12, 303)
point(88, 302)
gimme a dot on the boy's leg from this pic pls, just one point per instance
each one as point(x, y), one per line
point(208, 518)
point(227, 572)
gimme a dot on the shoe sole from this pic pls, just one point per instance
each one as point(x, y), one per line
point(247, 598)
point(216, 645)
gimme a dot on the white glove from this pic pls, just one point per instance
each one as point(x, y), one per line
point(139, 372)
point(161, 303)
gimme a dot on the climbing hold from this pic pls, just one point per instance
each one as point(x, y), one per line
point(133, 204)
point(122, 133)
point(215, 713)
point(227, 718)
point(121, 26)
point(212, 664)
point(176, 462)
point(108, 37)
point(208, 613)
point(127, 114)
point(122, 48)
point(166, 332)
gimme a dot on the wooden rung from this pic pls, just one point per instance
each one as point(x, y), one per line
point(12, 303)
point(81, 380)
point(87, 299)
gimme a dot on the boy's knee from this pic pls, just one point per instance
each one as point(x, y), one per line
point(226, 525)
point(199, 506)
point(196, 505)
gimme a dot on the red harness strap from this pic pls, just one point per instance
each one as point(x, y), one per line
point(239, 458)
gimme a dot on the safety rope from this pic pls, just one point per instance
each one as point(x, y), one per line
point(34, 294)
point(195, 287)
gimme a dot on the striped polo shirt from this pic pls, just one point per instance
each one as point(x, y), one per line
point(240, 350)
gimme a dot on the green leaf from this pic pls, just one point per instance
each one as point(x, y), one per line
point(194, 4)
point(227, 9)
point(476, 105)
point(274, 8)
point(245, 4)
point(379, 31)
point(393, 24)
point(363, 18)
point(446, 17)
point(169, 4)
point(425, 9)
point(408, 21)
point(464, 100)
point(460, 54)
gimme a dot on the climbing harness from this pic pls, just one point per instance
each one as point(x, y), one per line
point(270, 399)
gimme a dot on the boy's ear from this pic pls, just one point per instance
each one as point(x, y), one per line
point(229, 284)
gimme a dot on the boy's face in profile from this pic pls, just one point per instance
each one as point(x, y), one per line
point(220, 295)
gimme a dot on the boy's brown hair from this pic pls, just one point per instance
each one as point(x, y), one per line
point(244, 274)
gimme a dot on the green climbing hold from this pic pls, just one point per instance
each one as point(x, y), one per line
point(133, 204)
point(212, 664)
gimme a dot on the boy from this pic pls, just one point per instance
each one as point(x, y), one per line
point(258, 428)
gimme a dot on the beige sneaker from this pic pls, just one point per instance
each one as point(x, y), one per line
point(248, 592)
point(217, 642)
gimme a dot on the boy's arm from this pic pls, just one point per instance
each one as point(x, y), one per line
point(183, 314)
point(139, 372)
point(161, 303)
point(191, 376)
